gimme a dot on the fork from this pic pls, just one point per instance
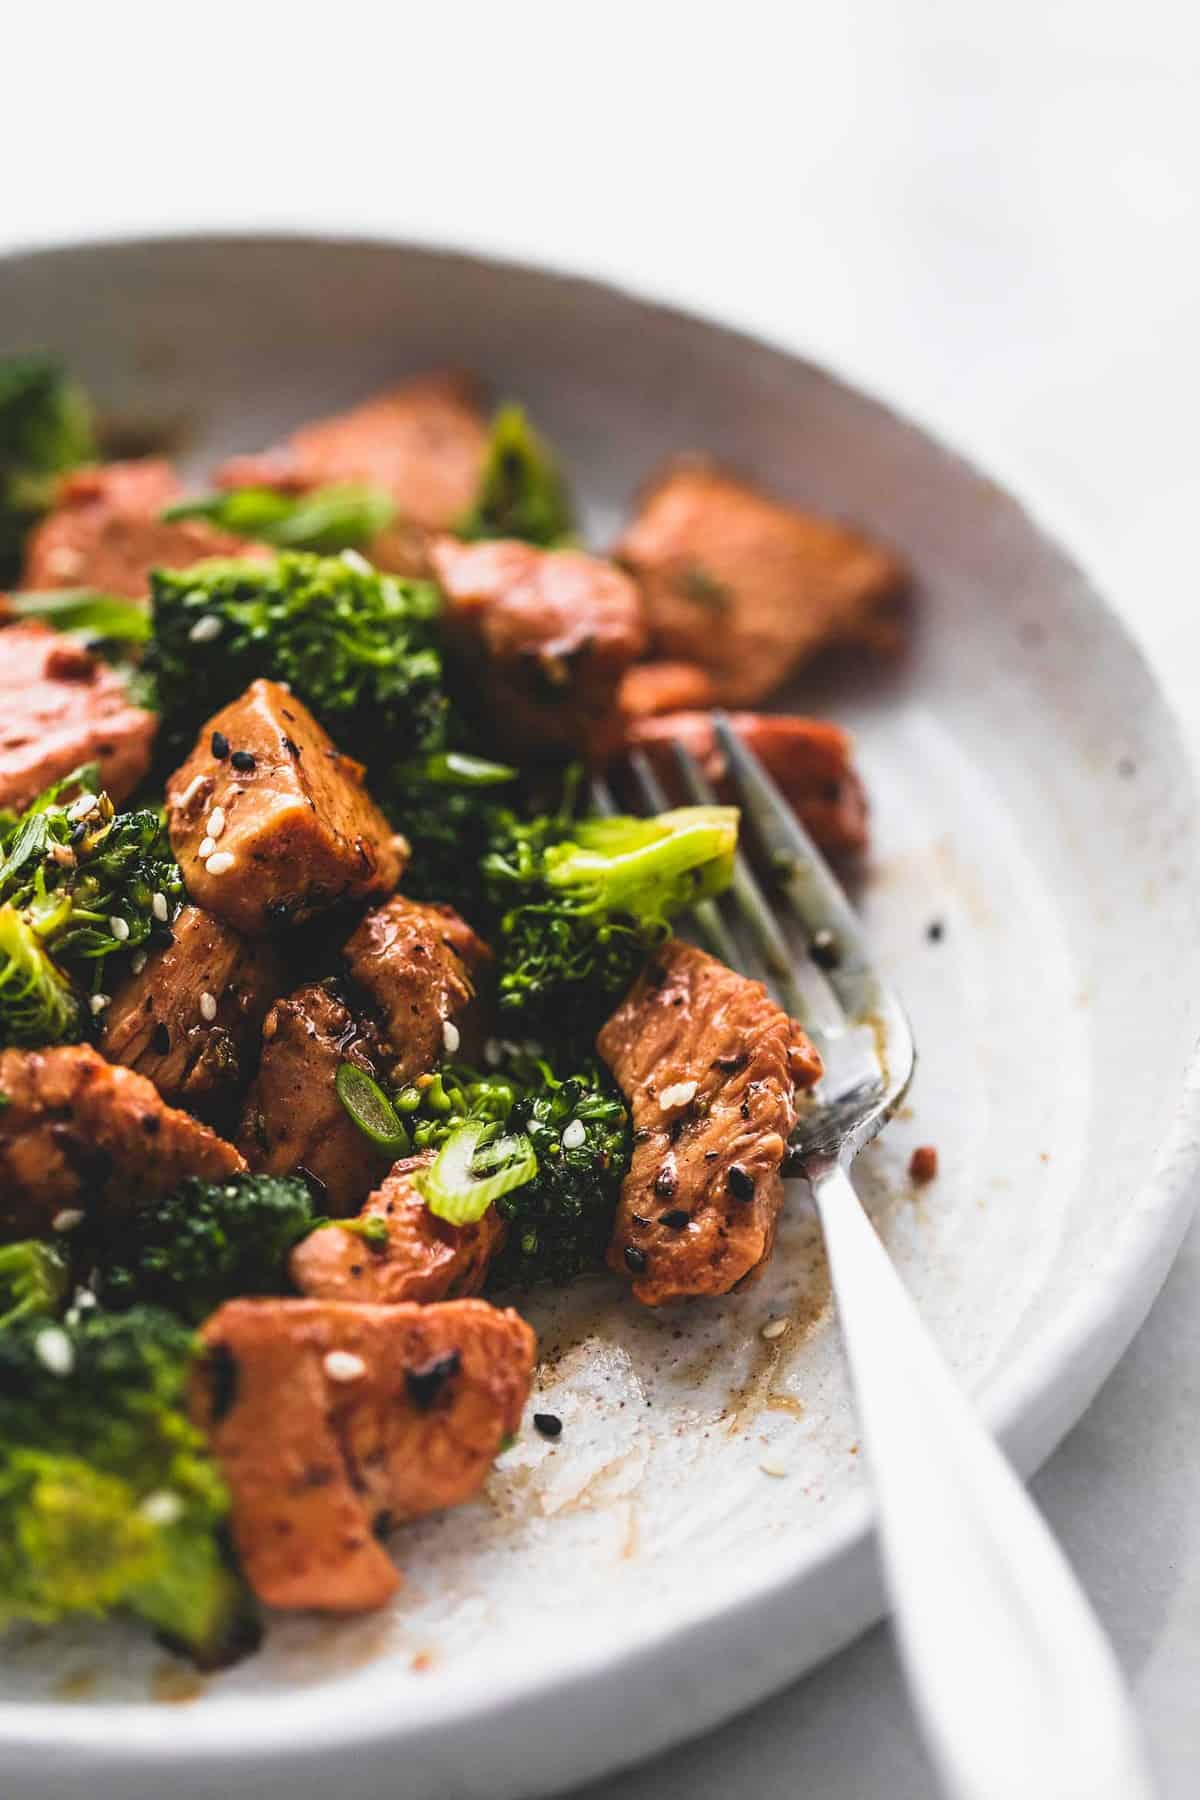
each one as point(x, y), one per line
point(1014, 1684)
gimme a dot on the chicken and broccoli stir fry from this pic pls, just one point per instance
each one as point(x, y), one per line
point(332, 1023)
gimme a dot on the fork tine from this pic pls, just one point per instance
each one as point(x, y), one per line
point(804, 876)
point(752, 903)
point(706, 913)
point(600, 796)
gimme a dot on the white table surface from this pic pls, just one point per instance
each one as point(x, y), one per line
point(987, 213)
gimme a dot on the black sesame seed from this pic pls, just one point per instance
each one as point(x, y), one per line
point(426, 1383)
point(160, 1039)
point(293, 749)
point(935, 931)
point(739, 1182)
point(825, 950)
point(220, 745)
point(549, 1424)
point(638, 1219)
point(675, 1220)
point(635, 1259)
point(729, 1065)
point(242, 761)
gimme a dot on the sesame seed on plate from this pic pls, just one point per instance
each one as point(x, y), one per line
point(216, 821)
point(208, 1008)
point(207, 846)
point(158, 906)
point(770, 1466)
point(82, 808)
point(206, 629)
point(119, 928)
point(774, 1328)
point(54, 1350)
point(451, 1036)
point(67, 1219)
point(679, 1093)
point(343, 1365)
point(574, 1135)
point(219, 863)
point(98, 1002)
point(162, 1507)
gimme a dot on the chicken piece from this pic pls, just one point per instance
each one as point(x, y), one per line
point(106, 531)
point(77, 1132)
point(60, 707)
point(293, 1119)
point(709, 1065)
point(551, 633)
point(333, 1423)
point(419, 963)
point(275, 840)
point(664, 687)
point(809, 759)
point(190, 1020)
point(423, 443)
point(749, 588)
point(423, 1259)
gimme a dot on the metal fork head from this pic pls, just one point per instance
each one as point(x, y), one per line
point(809, 949)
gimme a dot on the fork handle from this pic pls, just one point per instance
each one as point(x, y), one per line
point(1014, 1682)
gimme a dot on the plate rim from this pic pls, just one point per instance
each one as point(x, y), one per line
point(1086, 1338)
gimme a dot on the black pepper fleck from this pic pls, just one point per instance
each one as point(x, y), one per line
point(935, 931)
point(825, 950)
point(549, 1424)
point(293, 749)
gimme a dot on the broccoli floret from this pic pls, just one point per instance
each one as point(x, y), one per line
point(561, 1221)
point(107, 1496)
point(204, 1243)
point(79, 882)
point(581, 904)
point(358, 647)
point(45, 429)
point(449, 807)
point(343, 516)
point(33, 1279)
point(38, 1004)
point(521, 491)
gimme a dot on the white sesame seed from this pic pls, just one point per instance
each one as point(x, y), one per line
point(98, 1002)
point(162, 1507)
point(207, 846)
point(82, 808)
point(208, 1008)
point(84, 1298)
point(574, 1136)
point(680, 1093)
point(67, 1219)
point(353, 560)
point(219, 863)
point(119, 928)
point(451, 1036)
point(343, 1365)
point(137, 961)
point(197, 784)
point(770, 1466)
point(216, 821)
point(158, 906)
point(492, 1053)
point(206, 629)
point(54, 1350)
point(774, 1328)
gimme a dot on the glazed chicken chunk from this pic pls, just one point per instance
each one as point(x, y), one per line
point(279, 827)
point(422, 1259)
point(106, 531)
point(78, 1132)
point(419, 964)
point(190, 1019)
point(810, 761)
point(550, 634)
point(749, 588)
point(293, 1119)
point(709, 1065)
point(334, 1423)
point(60, 707)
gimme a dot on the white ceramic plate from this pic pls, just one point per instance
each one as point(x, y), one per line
point(643, 1577)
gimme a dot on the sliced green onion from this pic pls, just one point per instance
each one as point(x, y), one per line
point(86, 610)
point(473, 1168)
point(454, 768)
point(371, 1110)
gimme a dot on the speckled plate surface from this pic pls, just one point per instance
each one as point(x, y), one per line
point(644, 1576)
